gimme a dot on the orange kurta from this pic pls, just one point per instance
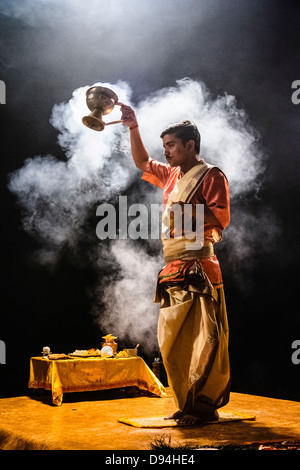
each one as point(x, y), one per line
point(213, 193)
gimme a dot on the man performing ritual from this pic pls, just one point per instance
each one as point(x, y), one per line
point(192, 324)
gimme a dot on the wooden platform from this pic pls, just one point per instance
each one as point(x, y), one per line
point(89, 421)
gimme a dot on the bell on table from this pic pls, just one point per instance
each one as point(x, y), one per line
point(100, 101)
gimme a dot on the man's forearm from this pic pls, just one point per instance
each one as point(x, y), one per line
point(139, 153)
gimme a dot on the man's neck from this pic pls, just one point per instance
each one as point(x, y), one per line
point(188, 165)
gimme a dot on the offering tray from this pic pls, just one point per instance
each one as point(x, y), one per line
point(86, 353)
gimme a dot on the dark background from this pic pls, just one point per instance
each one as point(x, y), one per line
point(247, 48)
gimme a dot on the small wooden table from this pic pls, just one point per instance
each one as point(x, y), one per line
point(91, 373)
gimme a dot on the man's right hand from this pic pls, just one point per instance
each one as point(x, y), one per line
point(128, 116)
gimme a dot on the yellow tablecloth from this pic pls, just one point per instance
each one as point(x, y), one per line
point(94, 373)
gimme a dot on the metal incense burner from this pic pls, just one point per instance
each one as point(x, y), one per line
point(100, 101)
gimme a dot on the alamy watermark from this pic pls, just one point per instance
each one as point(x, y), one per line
point(138, 221)
point(296, 94)
point(2, 92)
point(2, 352)
point(296, 354)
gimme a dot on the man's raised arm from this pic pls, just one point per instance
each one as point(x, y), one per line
point(139, 153)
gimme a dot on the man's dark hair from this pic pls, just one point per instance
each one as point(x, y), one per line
point(184, 130)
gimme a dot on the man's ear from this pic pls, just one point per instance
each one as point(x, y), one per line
point(190, 145)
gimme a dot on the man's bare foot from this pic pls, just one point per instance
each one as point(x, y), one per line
point(177, 415)
point(190, 419)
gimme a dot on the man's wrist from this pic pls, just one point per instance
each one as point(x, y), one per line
point(133, 127)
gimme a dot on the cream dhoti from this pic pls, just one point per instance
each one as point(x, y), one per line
point(193, 339)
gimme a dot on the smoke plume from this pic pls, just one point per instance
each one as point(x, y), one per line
point(57, 197)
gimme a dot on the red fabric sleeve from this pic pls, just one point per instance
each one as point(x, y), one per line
point(215, 191)
point(157, 173)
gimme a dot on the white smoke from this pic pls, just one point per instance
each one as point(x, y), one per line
point(57, 196)
point(227, 140)
point(128, 296)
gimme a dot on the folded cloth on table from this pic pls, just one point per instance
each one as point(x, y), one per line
point(57, 356)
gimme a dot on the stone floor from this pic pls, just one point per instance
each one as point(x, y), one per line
point(89, 421)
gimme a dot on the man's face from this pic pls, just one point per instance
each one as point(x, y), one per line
point(176, 152)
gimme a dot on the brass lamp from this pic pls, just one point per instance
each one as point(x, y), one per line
point(100, 101)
